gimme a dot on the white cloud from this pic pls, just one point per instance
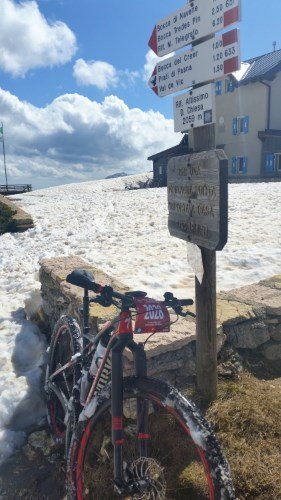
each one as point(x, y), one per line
point(102, 74)
point(98, 73)
point(151, 59)
point(74, 138)
point(28, 40)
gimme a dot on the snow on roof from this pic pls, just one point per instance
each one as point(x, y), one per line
point(259, 67)
point(241, 72)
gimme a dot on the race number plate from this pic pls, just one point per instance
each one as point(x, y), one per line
point(151, 317)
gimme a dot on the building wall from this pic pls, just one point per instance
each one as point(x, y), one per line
point(246, 105)
point(271, 158)
point(275, 112)
point(249, 101)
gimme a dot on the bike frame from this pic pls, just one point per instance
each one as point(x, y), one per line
point(121, 338)
point(124, 338)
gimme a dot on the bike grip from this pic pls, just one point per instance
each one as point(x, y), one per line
point(186, 302)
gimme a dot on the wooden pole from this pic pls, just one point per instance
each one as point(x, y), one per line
point(206, 328)
point(205, 292)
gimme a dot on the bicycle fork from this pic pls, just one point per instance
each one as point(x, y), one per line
point(126, 340)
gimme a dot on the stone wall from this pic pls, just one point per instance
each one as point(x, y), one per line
point(249, 320)
point(59, 297)
point(170, 355)
point(12, 218)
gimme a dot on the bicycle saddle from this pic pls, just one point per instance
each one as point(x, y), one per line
point(136, 293)
point(82, 278)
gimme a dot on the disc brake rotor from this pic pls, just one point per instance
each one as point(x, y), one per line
point(149, 468)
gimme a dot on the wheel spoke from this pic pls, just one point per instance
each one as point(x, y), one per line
point(62, 349)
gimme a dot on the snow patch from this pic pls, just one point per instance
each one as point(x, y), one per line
point(125, 233)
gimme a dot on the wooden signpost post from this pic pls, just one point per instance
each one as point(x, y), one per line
point(198, 213)
point(198, 183)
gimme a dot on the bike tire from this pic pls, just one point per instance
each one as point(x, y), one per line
point(66, 341)
point(182, 441)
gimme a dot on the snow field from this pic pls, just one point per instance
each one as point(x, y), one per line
point(124, 232)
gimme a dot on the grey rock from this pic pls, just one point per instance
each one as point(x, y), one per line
point(272, 351)
point(275, 332)
point(247, 335)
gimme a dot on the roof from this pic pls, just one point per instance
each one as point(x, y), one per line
point(182, 147)
point(261, 67)
point(263, 134)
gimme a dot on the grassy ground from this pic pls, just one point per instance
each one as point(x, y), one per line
point(246, 418)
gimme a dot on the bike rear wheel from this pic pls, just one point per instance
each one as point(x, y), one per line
point(184, 458)
point(65, 343)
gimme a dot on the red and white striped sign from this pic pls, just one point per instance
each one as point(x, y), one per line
point(197, 19)
point(207, 61)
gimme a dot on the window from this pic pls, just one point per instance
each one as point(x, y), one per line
point(160, 170)
point(218, 87)
point(229, 85)
point(278, 162)
point(240, 125)
point(269, 162)
point(239, 164)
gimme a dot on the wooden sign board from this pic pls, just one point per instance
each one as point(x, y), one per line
point(198, 198)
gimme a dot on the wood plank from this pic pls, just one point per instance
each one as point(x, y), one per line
point(197, 198)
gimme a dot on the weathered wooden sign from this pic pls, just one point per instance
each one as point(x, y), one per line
point(207, 61)
point(191, 22)
point(198, 198)
point(195, 108)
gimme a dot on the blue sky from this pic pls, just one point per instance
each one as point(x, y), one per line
point(93, 49)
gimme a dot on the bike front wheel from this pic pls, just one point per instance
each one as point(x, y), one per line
point(184, 459)
point(66, 342)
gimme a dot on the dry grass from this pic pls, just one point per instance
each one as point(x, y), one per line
point(247, 420)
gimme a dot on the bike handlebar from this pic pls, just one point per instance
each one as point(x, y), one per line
point(85, 279)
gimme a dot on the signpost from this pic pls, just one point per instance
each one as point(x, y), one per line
point(198, 183)
point(195, 108)
point(207, 61)
point(193, 21)
point(197, 198)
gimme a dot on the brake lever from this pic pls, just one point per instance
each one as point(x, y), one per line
point(102, 301)
point(188, 313)
point(178, 310)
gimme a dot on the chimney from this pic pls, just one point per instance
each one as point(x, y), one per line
point(274, 46)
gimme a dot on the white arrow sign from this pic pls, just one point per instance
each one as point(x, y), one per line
point(197, 19)
point(207, 61)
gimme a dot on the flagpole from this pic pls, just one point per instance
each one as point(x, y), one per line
point(4, 157)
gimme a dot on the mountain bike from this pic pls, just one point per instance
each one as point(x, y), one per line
point(130, 437)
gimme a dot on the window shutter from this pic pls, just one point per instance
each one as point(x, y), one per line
point(230, 85)
point(246, 124)
point(269, 163)
point(219, 87)
point(235, 126)
point(234, 165)
point(245, 164)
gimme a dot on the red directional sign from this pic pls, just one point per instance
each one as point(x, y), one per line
point(197, 19)
point(207, 61)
